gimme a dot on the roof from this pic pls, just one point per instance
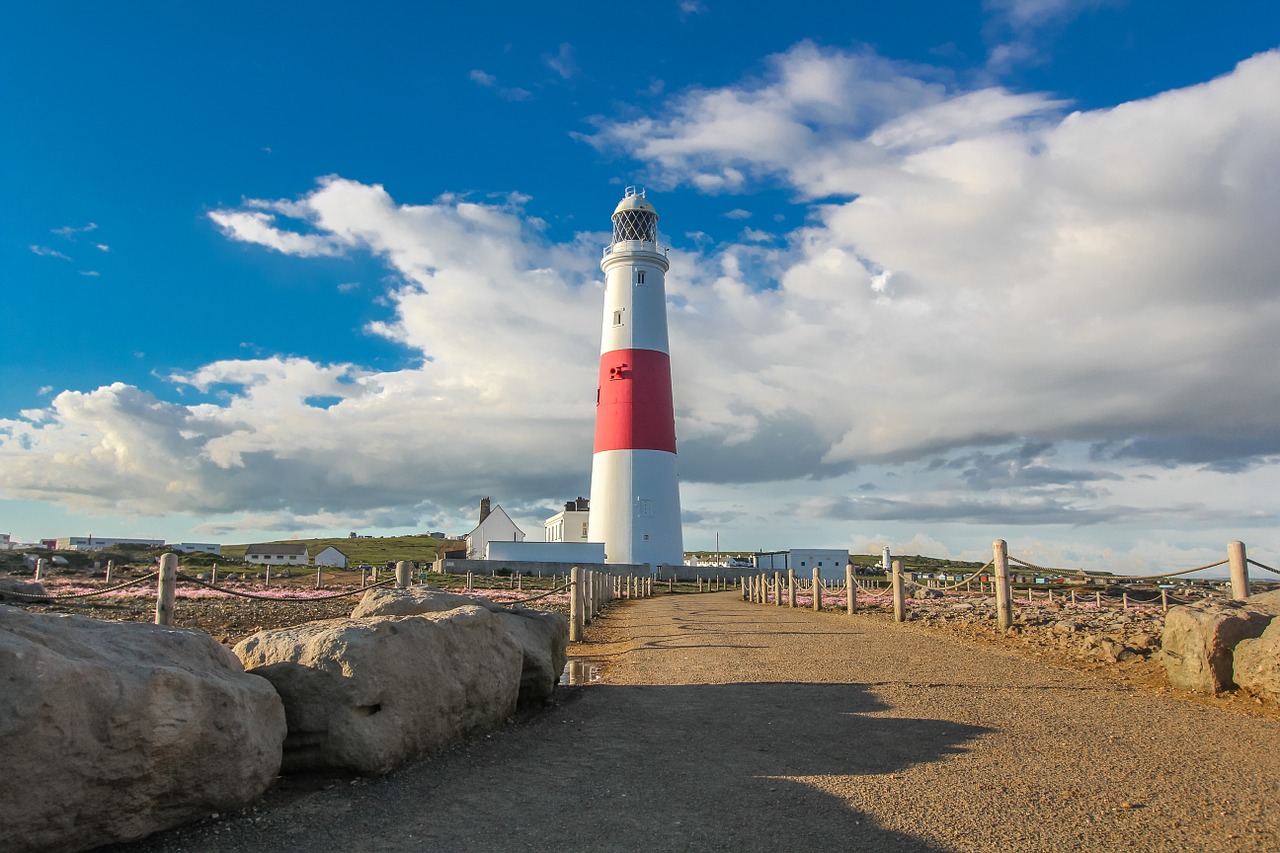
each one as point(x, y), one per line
point(494, 513)
point(333, 548)
point(277, 548)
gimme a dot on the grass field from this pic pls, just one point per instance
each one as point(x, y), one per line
point(375, 551)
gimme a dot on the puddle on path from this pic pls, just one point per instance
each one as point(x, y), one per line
point(580, 671)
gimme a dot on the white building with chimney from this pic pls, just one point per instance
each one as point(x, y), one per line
point(495, 526)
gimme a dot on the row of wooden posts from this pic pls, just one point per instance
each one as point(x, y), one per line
point(590, 591)
point(756, 588)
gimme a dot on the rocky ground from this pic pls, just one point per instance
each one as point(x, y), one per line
point(721, 725)
point(228, 618)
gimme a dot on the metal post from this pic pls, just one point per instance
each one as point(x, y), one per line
point(1239, 570)
point(1004, 598)
point(166, 588)
point(850, 590)
point(402, 574)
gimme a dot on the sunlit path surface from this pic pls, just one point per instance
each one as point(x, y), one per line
point(719, 725)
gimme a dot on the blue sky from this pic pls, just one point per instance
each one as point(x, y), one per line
point(942, 272)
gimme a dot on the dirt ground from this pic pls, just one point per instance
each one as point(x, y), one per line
point(718, 725)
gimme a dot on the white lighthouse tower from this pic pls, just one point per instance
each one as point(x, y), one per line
point(635, 492)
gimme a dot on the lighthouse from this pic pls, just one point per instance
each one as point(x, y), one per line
point(635, 491)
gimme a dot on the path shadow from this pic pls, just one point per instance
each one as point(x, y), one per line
point(711, 767)
point(649, 768)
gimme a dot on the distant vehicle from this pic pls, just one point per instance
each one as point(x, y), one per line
point(364, 566)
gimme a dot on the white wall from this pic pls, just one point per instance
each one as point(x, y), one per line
point(547, 552)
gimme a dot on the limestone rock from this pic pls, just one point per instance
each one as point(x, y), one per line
point(27, 588)
point(110, 731)
point(367, 695)
point(1257, 664)
point(1199, 640)
point(543, 635)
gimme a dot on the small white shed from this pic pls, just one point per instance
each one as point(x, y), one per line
point(333, 558)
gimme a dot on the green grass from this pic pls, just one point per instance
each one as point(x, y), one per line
point(374, 551)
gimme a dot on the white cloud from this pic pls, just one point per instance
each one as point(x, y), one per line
point(70, 231)
point(102, 247)
point(562, 62)
point(46, 252)
point(488, 81)
point(1015, 317)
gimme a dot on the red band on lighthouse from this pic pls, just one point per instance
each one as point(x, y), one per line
point(634, 411)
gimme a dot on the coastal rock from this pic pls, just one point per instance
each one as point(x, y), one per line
point(110, 731)
point(367, 695)
point(1199, 640)
point(1257, 664)
point(26, 588)
point(543, 635)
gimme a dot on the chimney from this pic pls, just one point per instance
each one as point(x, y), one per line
point(484, 509)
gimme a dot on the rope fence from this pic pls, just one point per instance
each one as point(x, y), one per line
point(760, 589)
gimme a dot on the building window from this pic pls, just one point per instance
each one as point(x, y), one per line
point(617, 318)
point(639, 276)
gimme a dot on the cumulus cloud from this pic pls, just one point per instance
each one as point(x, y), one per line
point(985, 281)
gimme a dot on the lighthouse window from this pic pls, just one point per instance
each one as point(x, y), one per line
point(640, 277)
point(617, 318)
point(644, 507)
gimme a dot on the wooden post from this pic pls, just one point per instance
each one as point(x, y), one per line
point(268, 583)
point(817, 590)
point(1097, 600)
point(791, 587)
point(40, 565)
point(1124, 601)
point(899, 592)
point(1239, 570)
point(1164, 601)
point(671, 583)
point(850, 590)
point(111, 568)
point(167, 586)
point(1004, 598)
point(213, 578)
point(402, 574)
point(1073, 598)
point(777, 588)
point(319, 577)
point(575, 606)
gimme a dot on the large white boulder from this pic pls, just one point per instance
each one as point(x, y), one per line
point(1257, 664)
point(542, 634)
point(110, 731)
point(367, 695)
point(1199, 640)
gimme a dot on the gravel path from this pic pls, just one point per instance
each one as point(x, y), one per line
point(720, 725)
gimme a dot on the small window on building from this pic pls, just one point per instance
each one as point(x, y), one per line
point(617, 318)
point(639, 276)
point(644, 507)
